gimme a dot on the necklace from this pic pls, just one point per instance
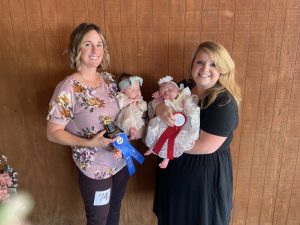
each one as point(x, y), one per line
point(93, 83)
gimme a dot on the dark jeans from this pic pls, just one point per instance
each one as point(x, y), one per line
point(106, 211)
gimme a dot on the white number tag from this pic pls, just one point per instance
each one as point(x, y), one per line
point(102, 197)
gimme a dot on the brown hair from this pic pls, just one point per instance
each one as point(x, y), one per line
point(76, 38)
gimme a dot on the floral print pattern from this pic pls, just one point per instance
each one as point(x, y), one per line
point(99, 175)
point(84, 156)
point(63, 102)
point(85, 96)
point(112, 86)
point(78, 107)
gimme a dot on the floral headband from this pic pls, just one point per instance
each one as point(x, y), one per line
point(129, 81)
point(167, 79)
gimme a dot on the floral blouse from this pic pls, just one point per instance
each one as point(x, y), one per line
point(79, 107)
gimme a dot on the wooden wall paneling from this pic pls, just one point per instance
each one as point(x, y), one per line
point(113, 34)
point(243, 192)
point(286, 179)
point(160, 39)
point(54, 49)
point(80, 11)
point(145, 47)
point(240, 51)
point(290, 151)
point(65, 18)
point(293, 216)
point(246, 149)
point(37, 74)
point(64, 15)
point(256, 61)
point(239, 54)
point(9, 105)
point(129, 36)
point(96, 12)
point(4, 12)
point(264, 119)
point(176, 39)
point(225, 26)
point(22, 75)
point(226, 23)
point(192, 33)
point(209, 26)
point(282, 98)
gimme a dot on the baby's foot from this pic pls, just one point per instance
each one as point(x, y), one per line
point(148, 152)
point(164, 164)
point(133, 133)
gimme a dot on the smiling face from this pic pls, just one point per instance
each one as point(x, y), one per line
point(91, 50)
point(133, 91)
point(168, 90)
point(204, 71)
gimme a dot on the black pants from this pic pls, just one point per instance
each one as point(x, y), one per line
point(102, 198)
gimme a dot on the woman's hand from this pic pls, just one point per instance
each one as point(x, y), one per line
point(100, 141)
point(165, 113)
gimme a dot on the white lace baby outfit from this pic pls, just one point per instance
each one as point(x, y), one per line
point(131, 115)
point(185, 140)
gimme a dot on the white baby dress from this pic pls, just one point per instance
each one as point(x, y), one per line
point(185, 140)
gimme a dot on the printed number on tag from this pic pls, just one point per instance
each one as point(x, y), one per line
point(102, 197)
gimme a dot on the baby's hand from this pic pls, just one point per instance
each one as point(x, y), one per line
point(156, 95)
point(132, 100)
point(117, 154)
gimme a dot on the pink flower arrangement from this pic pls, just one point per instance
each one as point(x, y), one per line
point(8, 179)
point(5, 183)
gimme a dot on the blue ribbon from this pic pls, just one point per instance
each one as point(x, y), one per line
point(128, 152)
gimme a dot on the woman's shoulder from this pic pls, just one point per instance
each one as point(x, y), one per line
point(108, 77)
point(225, 99)
point(66, 83)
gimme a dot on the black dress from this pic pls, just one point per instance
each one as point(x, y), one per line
point(197, 189)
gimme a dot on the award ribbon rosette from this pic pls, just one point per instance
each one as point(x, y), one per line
point(122, 144)
point(169, 135)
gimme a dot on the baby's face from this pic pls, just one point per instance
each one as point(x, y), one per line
point(133, 91)
point(168, 91)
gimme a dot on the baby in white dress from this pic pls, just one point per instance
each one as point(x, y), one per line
point(132, 106)
point(179, 100)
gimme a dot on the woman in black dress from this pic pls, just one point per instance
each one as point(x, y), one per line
point(196, 188)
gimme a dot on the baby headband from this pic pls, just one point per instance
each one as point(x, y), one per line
point(167, 79)
point(129, 81)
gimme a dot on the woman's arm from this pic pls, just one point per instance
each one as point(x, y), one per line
point(57, 134)
point(206, 144)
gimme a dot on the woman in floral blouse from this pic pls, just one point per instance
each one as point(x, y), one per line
point(78, 103)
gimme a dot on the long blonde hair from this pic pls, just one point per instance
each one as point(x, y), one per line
point(226, 67)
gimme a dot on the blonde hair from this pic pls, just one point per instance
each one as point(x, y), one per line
point(226, 67)
point(75, 45)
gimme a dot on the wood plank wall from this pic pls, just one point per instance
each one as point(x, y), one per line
point(154, 38)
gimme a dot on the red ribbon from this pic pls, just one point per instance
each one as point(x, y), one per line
point(168, 135)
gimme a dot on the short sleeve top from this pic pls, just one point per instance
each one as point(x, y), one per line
point(79, 107)
point(220, 118)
